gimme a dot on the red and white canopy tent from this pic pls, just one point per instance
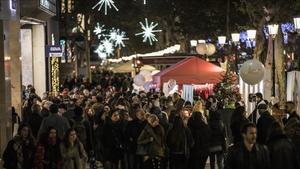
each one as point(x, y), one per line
point(192, 71)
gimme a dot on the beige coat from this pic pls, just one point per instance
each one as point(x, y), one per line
point(73, 157)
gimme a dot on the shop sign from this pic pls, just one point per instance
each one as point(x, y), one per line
point(48, 6)
point(54, 51)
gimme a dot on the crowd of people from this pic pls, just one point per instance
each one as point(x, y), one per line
point(105, 124)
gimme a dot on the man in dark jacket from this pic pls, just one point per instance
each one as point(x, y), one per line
point(292, 126)
point(263, 124)
point(283, 153)
point(60, 123)
point(248, 155)
point(35, 120)
point(254, 116)
point(293, 116)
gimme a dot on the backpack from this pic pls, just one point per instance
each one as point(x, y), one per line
point(81, 131)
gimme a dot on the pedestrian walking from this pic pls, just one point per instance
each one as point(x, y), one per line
point(248, 154)
point(72, 151)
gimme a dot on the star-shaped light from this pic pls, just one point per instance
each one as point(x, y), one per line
point(108, 47)
point(99, 30)
point(120, 38)
point(113, 34)
point(148, 31)
point(100, 51)
point(107, 4)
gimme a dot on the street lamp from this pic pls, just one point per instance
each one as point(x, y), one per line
point(201, 41)
point(222, 40)
point(193, 43)
point(236, 39)
point(297, 24)
point(251, 34)
point(273, 31)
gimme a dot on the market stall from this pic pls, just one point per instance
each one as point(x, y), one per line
point(190, 71)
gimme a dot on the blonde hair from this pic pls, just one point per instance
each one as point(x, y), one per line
point(198, 107)
point(152, 118)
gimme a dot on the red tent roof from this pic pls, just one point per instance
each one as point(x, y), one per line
point(191, 70)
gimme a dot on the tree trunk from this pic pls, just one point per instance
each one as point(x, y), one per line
point(280, 69)
point(260, 50)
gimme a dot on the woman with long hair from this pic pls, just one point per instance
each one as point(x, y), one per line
point(238, 120)
point(179, 141)
point(47, 154)
point(72, 151)
point(20, 150)
point(217, 143)
point(201, 134)
point(152, 139)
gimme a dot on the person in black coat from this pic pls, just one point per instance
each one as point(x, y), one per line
point(238, 120)
point(263, 124)
point(112, 141)
point(201, 134)
point(217, 142)
point(35, 120)
point(179, 141)
point(132, 132)
point(283, 153)
point(248, 154)
point(19, 152)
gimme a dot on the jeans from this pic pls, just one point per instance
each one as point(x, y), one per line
point(134, 161)
point(178, 161)
point(197, 162)
point(220, 158)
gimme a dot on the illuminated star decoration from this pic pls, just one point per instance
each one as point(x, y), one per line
point(118, 37)
point(99, 30)
point(113, 34)
point(101, 51)
point(107, 4)
point(105, 49)
point(148, 31)
point(108, 47)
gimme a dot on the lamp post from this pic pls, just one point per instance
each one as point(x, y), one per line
point(193, 45)
point(273, 31)
point(236, 39)
point(222, 40)
point(297, 24)
point(251, 33)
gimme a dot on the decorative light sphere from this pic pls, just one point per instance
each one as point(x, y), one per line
point(201, 49)
point(210, 49)
point(252, 72)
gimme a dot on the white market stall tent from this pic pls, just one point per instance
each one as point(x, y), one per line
point(128, 68)
point(293, 88)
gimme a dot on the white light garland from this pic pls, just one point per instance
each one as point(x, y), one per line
point(168, 50)
point(148, 31)
point(107, 4)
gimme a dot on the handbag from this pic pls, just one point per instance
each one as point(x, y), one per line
point(141, 150)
